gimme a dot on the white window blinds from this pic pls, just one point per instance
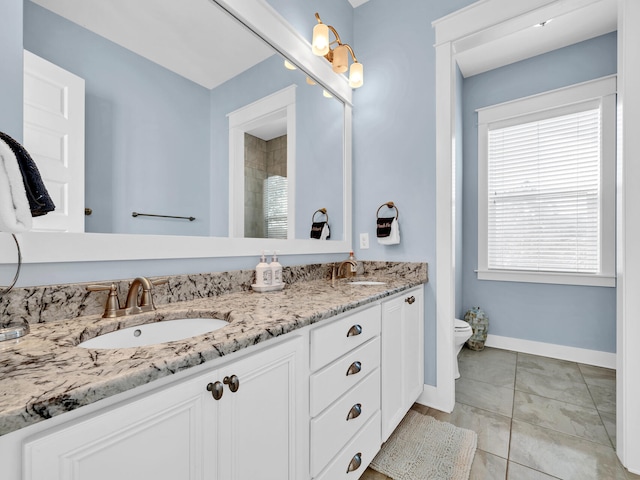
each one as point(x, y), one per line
point(275, 207)
point(544, 194)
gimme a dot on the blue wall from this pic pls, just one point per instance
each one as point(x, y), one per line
point(394, 135)
point(11, 69)
point(576, 316)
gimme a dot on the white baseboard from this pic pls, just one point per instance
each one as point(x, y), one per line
point(561, 352)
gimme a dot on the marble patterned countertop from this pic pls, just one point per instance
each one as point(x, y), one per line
point(47, 374)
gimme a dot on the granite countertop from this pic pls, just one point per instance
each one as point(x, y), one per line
point(46, 374)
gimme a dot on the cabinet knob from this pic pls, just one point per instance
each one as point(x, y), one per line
point(233, 382)
point(355, 462)
point(216, 389)
point(354, 330)
point(354, 368)
point(410, 299)
point(355, 411)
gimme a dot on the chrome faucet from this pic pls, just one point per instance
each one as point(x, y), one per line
point(113, 309)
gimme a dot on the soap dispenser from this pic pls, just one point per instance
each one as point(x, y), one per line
point(276, 269)
point(264, 275)
point(353, 265)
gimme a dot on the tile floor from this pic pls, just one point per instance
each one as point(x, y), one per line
point(537, 418)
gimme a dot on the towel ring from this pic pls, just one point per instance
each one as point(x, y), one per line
point(388, 205)
point(322, 211)
point(15, 278)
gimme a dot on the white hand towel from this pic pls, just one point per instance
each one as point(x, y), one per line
point(325, 232)
point(15, 214)
point(394, 236)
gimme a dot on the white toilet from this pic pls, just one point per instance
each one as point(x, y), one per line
point(462, 333)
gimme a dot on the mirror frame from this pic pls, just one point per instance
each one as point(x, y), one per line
point(262, 19)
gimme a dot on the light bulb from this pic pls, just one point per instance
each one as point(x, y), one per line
point(320, 43)
point(356, 75)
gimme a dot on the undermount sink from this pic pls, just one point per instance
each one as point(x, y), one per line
point(154, 333)
point(366, 282)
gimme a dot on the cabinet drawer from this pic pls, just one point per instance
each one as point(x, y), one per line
point(366, 444)
point(331, 341)
point(332, 381)
point(334, 427)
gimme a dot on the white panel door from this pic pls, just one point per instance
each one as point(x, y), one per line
point(54, 137)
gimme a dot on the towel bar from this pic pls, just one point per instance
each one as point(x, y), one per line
point(136, 214)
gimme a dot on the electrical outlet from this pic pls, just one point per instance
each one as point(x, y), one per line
point(364, 241)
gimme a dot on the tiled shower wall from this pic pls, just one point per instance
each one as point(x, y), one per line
point(262, 160)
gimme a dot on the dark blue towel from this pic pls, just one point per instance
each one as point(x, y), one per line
point(40, 202)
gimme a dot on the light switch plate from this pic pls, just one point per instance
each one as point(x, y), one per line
point(364, 241)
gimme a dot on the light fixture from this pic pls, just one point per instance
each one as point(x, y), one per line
point(289, 66)
point(339, 56)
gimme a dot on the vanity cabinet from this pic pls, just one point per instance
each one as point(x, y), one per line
point(345, 395)
point(183, 432)
point(402, 356)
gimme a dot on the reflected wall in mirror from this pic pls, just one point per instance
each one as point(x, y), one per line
point(157, 113)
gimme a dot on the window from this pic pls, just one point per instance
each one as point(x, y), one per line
point(275, 207)
point(547, 187)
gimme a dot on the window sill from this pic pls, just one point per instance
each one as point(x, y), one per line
point(547, 277)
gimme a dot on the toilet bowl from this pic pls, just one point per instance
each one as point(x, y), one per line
point(462, 333)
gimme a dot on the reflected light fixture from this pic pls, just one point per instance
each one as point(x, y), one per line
point(289, 66)
point(339, 56)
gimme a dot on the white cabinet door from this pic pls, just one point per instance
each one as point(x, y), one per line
point(402, 356)
point(182, 432)
point(261, 432)
point(160, 436)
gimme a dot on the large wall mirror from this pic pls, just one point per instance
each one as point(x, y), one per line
point(165, 84)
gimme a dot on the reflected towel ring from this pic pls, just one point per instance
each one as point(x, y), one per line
point(389, 205)
point(15, 278)
point(320, 210)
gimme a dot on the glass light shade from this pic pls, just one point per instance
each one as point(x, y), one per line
point(326, 94)
point(320, 42)
point(340, 62)
point(356, 75)
point(289, 66)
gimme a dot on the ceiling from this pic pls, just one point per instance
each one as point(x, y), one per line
point(520, 38)
point(202, 42)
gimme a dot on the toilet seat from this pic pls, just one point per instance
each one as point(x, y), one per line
point(461, 325)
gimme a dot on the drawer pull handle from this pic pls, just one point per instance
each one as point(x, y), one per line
point(233, 382)
point(354, 368)
point(355, 462)
point(354, 330)
point(355, 412)
point(216, 389)
point(410, 299)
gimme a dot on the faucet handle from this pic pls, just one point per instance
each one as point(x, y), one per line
point(113, 302)
point(159, 281)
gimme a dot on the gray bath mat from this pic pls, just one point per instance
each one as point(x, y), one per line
point(423, 448)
